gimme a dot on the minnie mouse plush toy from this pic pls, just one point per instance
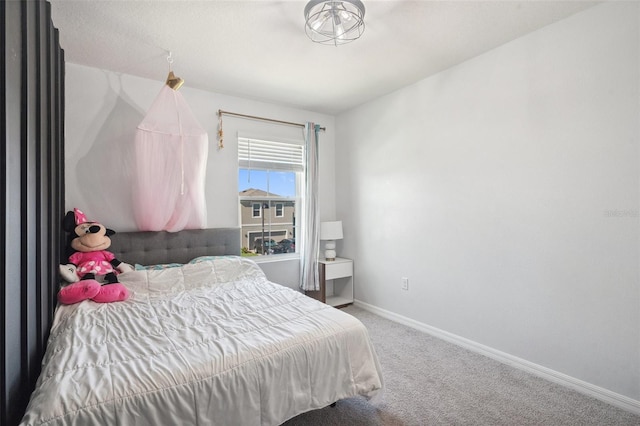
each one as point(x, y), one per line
point(89, 258)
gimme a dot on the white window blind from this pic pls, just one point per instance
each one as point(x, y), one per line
point(269, 155)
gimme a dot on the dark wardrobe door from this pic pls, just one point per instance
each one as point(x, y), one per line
point(32, 195)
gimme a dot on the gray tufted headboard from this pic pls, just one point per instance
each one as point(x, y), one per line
point(150, 248)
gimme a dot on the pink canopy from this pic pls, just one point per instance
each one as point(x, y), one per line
point(171, 150)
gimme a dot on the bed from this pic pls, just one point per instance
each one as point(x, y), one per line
point(204, 339)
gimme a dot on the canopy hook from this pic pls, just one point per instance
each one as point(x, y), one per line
point(170, 59)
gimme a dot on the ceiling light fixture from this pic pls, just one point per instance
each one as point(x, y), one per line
point(334, 22)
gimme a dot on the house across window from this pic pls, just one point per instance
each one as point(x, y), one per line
point(270, 180)
point(257, 212)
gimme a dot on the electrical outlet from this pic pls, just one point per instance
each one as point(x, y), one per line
point(405, 283)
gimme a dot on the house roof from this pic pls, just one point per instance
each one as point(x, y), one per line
point(252, 192)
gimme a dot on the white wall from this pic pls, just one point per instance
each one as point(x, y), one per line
point(506, 190)
point(102, 111)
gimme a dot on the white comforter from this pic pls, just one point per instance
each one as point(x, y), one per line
point(212, 343)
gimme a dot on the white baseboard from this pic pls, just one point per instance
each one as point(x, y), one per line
point(586, 388)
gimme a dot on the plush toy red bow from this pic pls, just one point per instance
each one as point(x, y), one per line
point(89, 259)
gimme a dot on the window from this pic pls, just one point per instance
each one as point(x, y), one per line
point(270, 177)
point(257, 211)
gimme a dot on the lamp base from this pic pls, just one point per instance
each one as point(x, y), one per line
point(329, 251)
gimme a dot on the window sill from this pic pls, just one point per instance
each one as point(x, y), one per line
point(275, 258)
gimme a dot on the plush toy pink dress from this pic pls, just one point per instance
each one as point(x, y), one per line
point(91, 259)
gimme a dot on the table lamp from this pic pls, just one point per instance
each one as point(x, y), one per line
point(330, 232)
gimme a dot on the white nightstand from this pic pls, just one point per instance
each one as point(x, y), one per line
point(339, 273)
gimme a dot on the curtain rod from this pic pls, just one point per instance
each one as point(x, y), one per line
point(253, 117)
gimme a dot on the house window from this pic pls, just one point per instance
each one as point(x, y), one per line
point(256, 210)
point(270, 184)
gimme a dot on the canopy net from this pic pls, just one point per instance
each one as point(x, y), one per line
point(171, 150)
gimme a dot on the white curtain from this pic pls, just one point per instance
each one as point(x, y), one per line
point(309, 280)
point(171, 150)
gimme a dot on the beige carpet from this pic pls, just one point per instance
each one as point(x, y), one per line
point(433, 382)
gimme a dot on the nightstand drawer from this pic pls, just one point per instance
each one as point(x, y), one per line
point(338, 270)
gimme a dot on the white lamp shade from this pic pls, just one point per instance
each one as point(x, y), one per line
point(331, 230)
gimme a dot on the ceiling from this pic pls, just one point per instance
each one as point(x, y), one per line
point(259, 50)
